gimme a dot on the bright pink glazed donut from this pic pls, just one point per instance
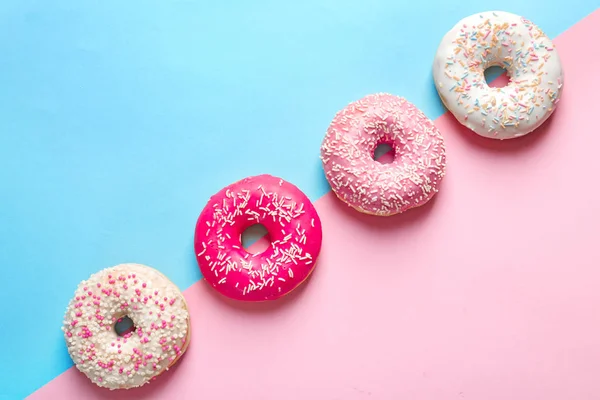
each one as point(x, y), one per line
point(347, 152)
point(294, 228)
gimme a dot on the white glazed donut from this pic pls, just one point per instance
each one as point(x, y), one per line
point(159, 336)
point(514, 43)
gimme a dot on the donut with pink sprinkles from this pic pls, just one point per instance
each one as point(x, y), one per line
point(348, 155)
point(294, 228)
point(116, 355)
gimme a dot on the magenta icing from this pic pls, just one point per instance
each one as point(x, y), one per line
point(414, 175)
point(294, 228)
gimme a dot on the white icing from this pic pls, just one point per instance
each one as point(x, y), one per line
point(510, 41)
point(156, 348)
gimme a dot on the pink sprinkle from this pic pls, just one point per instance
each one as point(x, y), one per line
point(144, 285)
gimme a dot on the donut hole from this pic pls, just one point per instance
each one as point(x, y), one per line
point(255, 239)
point(384, 153)
point(124, 326)
point(496, 76)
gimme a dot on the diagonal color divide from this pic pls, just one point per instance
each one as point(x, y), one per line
point(118, 120)
point(488, 292)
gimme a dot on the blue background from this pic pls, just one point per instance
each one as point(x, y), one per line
point(118, 119)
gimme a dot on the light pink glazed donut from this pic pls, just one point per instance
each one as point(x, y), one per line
point(347, 152)
point(294, 228)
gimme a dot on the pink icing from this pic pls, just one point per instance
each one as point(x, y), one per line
point(294, 228)
point(347, 152)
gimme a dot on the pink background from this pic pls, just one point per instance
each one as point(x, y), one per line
point(488, 292)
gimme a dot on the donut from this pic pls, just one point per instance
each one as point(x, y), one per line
point(348, 150)
point(294, 228)
point(523, 50)
point(159, 336)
